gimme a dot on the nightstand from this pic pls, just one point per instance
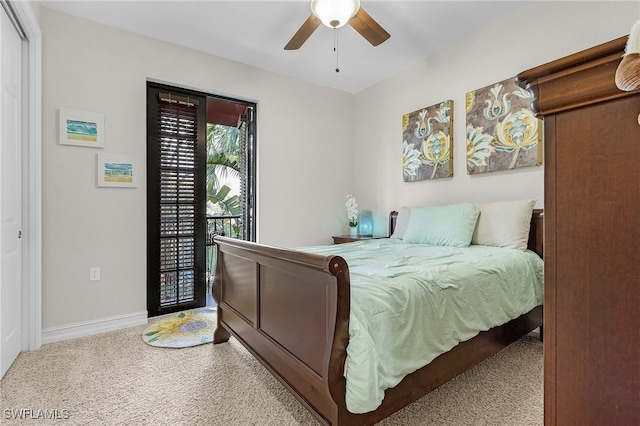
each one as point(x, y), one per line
point(340, 239)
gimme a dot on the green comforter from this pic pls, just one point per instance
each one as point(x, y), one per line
point(412, 302)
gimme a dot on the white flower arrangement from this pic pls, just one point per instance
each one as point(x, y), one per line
point(352, 211)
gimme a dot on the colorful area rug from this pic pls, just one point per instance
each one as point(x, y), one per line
point(185, 329)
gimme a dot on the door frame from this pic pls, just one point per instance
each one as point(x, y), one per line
point(31, 173)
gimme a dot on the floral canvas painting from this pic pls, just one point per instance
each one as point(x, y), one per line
point(427, 143)
point(502, 130)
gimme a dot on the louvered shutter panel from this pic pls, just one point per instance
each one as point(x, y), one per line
point(242, 160)
point(176, 187)
point(247, 165)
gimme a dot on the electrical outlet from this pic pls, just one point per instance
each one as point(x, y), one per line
point(94, 274)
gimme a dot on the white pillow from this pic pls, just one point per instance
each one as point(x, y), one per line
point(402, 221)
point(504, 224)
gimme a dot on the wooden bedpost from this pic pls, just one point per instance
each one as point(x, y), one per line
point(221, 334)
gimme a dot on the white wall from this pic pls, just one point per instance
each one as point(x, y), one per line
point(539, 34)
point(92, 67)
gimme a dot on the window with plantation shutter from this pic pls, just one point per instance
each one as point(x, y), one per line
point(176, 225)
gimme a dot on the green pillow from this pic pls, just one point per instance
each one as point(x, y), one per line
point(450, 225)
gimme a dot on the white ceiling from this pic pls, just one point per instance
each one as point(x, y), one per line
point(255, 32)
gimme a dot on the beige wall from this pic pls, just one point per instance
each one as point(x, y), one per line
point(546, 31)
point(301, 159)
point(92, 67)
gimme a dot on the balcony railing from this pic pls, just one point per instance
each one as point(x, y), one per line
point(227, 226)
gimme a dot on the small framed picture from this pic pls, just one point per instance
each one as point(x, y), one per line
point(117, 170)
point(81, 128)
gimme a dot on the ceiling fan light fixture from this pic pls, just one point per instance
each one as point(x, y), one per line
point(334, 13)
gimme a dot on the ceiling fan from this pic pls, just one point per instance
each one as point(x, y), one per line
point(334, 14)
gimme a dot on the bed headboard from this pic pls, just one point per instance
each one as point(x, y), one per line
point(536, 235)
point(393, 217)
point(535, 231)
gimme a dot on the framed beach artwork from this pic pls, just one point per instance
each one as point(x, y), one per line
point(81, 128)
point(503, 132)
point(117, 170)
point(427, 143)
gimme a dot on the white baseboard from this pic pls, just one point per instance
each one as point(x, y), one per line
point(88, 328)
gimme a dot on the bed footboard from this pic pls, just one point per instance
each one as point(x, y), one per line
point(291, 311)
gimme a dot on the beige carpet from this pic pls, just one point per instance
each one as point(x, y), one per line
point(116, 379)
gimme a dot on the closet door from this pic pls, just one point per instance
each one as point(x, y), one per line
point(10, 194)
point(594, 281)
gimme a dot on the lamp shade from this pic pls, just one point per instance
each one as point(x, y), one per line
point(334, 13)
point(366, 223)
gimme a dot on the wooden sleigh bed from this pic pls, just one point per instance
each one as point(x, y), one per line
point(291, 310)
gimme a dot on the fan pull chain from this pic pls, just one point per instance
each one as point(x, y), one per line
point(335, 46)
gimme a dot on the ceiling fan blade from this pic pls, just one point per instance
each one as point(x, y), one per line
point(303, 33)
point(368, 28)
